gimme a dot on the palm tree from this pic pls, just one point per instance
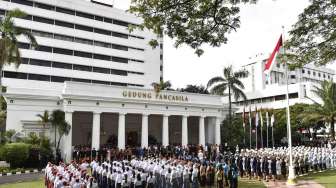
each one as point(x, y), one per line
point(44, 119)
point(9, 49)
point(59, 123)
point(162, 85)
point(229, 82)
point(326, 111)
point(195, 89)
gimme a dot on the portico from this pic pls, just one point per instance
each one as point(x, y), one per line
point(119, 116)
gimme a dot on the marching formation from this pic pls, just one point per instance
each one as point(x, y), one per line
point(185, 168)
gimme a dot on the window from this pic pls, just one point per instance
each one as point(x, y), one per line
point(99, 18)
point(102, 44)
point(83, 54)
point(161, 57)
point(24, 61)
point(64, 24)
point(44, 6)
point(278, 65)
point(84, 28)
point(66, 11)
point(314, 73)
point(102, 57)
point(61, 65)
point(17, 75)
point(107, 20)
point(100, 82)
point(28, 17)
point(303, 71)
point(120, 35)
point(319, 74)
point(59, 79)
point(120, 59)
point(161, 46)
point(40, 63)
point(121, 23)
point(42, 34)
point(63, 37)
point(292, 76)
point(63, 51)
point(293, 95)
point(23, 45)
point(43, 20)
point(80, 80)
point(309, 72)
point(38, 77)
point(328, 76)
point(23, 2)
point(44, 48)
point(119, 72)
point(119, 47)
point(280, 97)
point(118, 84)
point(85, 15)
point(161, 68)
point(324, 75)
point(83, 41)
point(102, 31)
point(82, 68)
point(101, 70)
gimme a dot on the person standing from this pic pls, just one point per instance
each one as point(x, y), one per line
point(219, 177)
point(233, 175)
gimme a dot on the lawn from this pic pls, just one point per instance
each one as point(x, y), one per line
point(39, 184)
point(326, 179)
point(31, 184)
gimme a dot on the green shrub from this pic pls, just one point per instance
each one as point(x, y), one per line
point(15, 153)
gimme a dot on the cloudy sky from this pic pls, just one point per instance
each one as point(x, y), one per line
point(260, 29)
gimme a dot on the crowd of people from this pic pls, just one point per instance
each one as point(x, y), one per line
point(182, 167)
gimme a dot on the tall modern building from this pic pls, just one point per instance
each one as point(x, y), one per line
point(82, 41)
point(269, 91)
point(88, 65)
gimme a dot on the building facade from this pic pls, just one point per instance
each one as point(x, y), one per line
point(269, 91)
point(89, 65)
point(84, 42)
point(102, 115)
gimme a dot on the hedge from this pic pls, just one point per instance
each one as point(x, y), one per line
point(15, 153)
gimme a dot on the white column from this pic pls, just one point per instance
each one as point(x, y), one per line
point(68, 139)
point(96, 131)
point(144, 131)
point(184, 130)
point(201, 131)
point(121, 131)
point(165, 131)
point(217, 131)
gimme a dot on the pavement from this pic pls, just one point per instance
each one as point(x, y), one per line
point(20, 178)
point(300, 184)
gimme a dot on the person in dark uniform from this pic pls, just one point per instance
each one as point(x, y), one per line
point(259, 167)
point(273, 168)
point(93, 154)
point(283, 168)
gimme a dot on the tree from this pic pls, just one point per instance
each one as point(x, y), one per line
point(59, 123)
point(190, 22)
point(44, 119)
point(195, 89)
point(313, 37)
point(9, 48)
point(229, 82)
point(162, 85)
point(325, 112)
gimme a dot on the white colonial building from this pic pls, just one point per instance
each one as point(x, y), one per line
point(90, 66)
point(98, 114)
point(263, 91)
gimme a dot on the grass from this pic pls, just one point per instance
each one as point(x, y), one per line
point(30, 184)
point(39, 184)
point(326, 179)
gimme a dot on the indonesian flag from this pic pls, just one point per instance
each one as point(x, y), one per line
point(244, 117)
point(271, 60)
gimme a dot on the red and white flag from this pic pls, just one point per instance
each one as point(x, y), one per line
point(271, 60)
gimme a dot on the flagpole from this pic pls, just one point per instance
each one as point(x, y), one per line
point(291, 174)
point(261, 130)
point(267, 125)
point(272, 137)
point(256, 130)
point(250, 121)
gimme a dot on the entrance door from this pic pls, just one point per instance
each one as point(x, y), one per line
point(132, 139)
